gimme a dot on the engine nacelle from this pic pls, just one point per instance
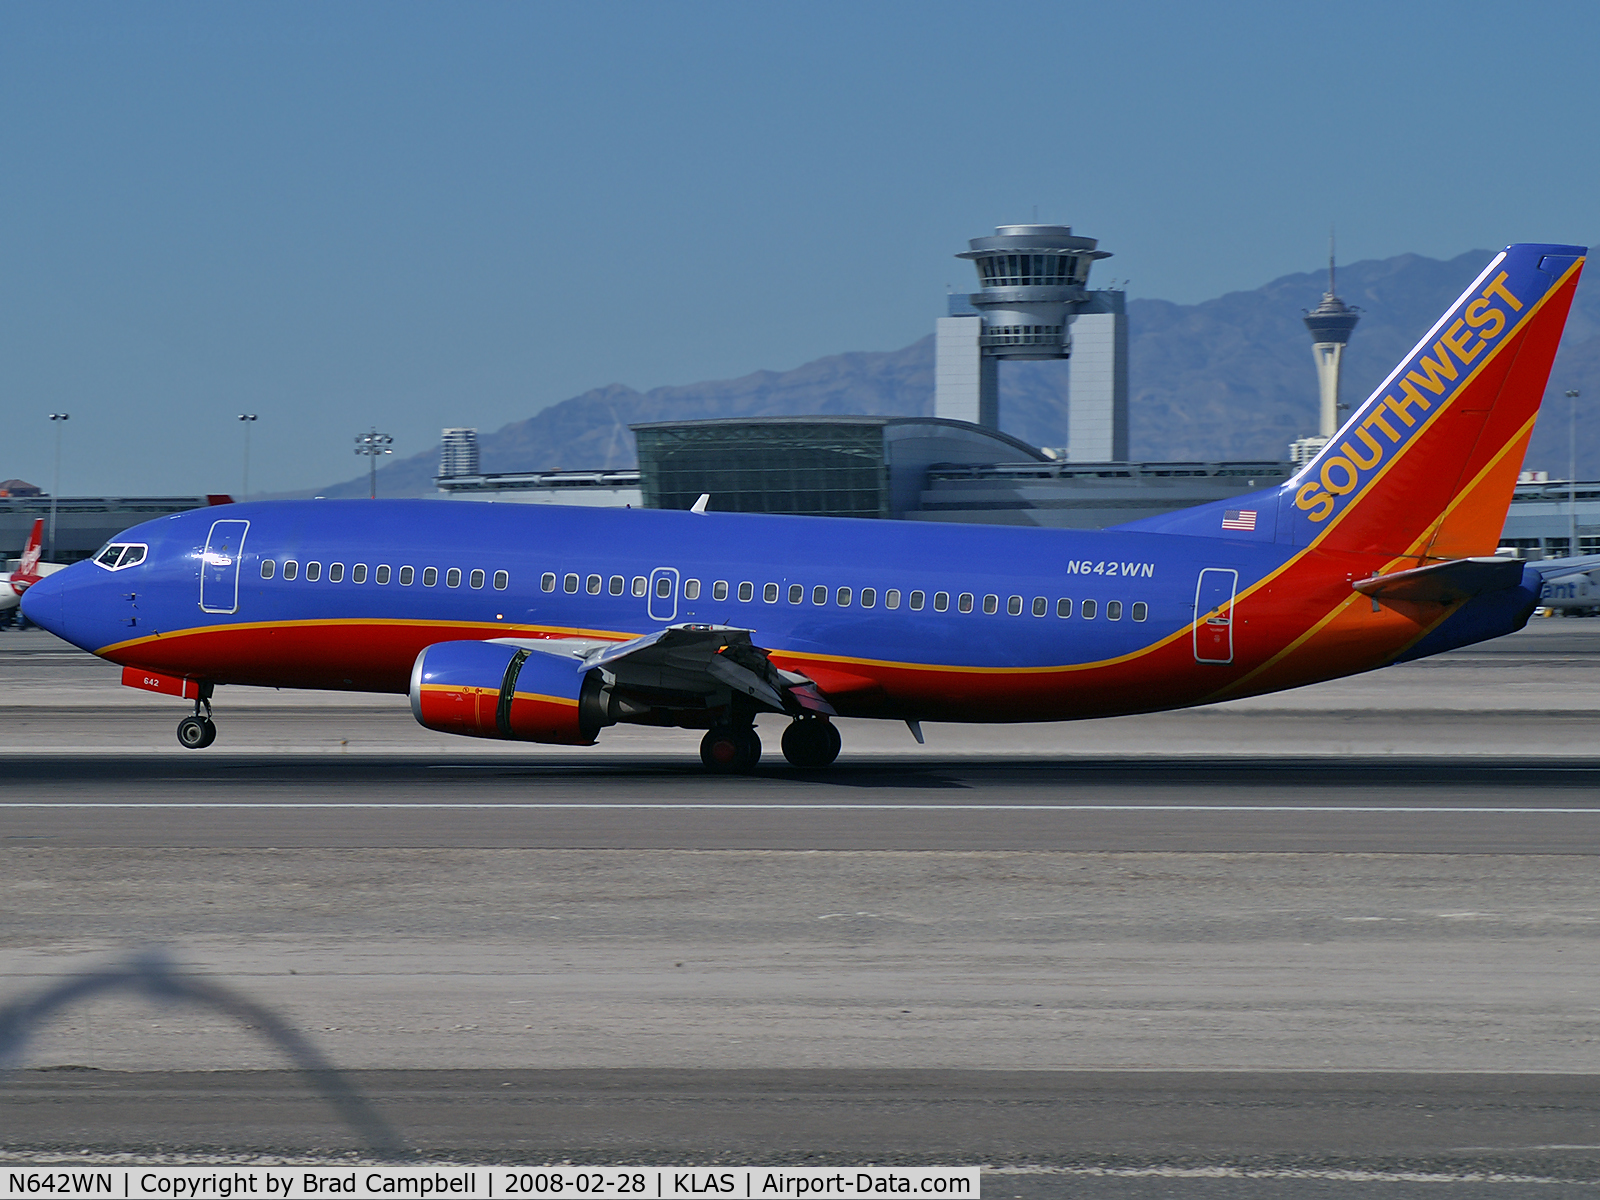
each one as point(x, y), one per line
point(492, 690)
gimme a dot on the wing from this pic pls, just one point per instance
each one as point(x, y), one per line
point(686, 667)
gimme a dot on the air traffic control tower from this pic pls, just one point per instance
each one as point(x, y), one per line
point(1034, 304)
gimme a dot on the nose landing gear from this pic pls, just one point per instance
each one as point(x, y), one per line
point(811, 742)
point(197, 732)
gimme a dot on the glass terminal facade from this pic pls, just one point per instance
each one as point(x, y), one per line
point(803, 467)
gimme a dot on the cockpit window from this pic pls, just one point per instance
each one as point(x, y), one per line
point(118, 556)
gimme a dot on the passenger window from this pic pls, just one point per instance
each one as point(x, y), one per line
point(407, 574)
point(941, 601)
point(964, 603)
point(1113, 610)
point(476, 579)
point(1063, 608)
point(664, 587)
point(1087, 610)
point(358, 573)
point(991, 604)
point(131, 557)
point(796, 593)
point(747, 591)
point(335, 572)
point(869, 597)
point(616, 585)
point(569, 584)
point(819, 595)
point(891, 598)
point(719, 590)
point(547, 582)
point(691, 589)
point(1040, 606)
point(268, 567)
point(1014, 606)
point(917, 599)
point(1141, 610)
point(592, 585)
point(842, 598)
point(770, 593)
point(290, 568)
point(452, 577)
point(430, 576)
point(313, 572)
point(501, 581)
point(640, 585)
point(381, 575)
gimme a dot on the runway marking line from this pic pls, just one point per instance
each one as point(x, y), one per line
point(737, 807)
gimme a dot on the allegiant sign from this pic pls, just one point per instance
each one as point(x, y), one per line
point(1422, 391)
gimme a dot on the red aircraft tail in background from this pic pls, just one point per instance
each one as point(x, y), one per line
point(28, 569)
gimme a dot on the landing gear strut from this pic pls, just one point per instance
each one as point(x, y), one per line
point(197, 732)
point(728, 749)
point(811, 742)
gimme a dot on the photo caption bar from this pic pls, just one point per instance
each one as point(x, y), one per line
point(483, 1183)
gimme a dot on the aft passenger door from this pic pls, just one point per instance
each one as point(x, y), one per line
point(664, 594)
point(1213, 615)
point(219, 567)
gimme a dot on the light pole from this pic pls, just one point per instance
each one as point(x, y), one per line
point(373, 444)
point(248, 419)
point(1572, 471)
point(55, 489)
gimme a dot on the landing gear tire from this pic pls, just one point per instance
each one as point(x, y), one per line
point(811, 743)
point(730, 751)
point(196, 733)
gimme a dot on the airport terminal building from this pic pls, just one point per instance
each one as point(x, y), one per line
point(84, 523)
point(895, 468)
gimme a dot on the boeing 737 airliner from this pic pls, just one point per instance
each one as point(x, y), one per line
point(548, 624)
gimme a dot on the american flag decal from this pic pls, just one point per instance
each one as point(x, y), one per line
point(1239, 518)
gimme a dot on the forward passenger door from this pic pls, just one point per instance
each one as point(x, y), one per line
point(219, 566)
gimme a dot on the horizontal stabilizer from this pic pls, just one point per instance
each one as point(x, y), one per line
point(1445, 582)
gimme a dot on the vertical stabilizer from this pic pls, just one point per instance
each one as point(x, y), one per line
point(1426, 467)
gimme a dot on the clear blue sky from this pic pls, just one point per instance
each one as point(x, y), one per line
point(417, 215)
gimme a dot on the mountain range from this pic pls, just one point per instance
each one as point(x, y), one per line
point(1229, 378)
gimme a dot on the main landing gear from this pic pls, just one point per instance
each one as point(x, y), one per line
point(811, 742)
point(197, 732)
point(730, 749)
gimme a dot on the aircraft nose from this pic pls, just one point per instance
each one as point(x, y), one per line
point(43, 604)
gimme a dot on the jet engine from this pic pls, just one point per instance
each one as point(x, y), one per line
point(495, 690)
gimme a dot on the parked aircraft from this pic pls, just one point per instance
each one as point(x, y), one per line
point(29, 571)
point(548, 624)
point(1572, 585)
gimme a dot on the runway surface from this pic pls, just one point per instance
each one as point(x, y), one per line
point(1350, 929)
point(1211, 805)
